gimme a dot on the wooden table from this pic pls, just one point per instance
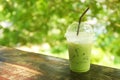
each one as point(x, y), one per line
point(21, 65)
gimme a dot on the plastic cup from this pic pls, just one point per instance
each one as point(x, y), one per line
point(79, 46)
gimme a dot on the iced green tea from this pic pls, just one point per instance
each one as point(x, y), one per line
point(79, 46)
point(79, 56)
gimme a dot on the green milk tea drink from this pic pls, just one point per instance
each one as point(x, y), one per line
point(79, 47)
point(79, 55)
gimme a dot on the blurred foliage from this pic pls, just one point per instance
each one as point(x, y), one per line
point(29, 22)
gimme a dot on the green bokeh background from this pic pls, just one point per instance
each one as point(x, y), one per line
point(40, 25)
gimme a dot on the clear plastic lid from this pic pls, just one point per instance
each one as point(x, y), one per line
point(84, 27)
point(86, 32)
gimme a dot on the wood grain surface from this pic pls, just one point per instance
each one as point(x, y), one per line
point(20, 65)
